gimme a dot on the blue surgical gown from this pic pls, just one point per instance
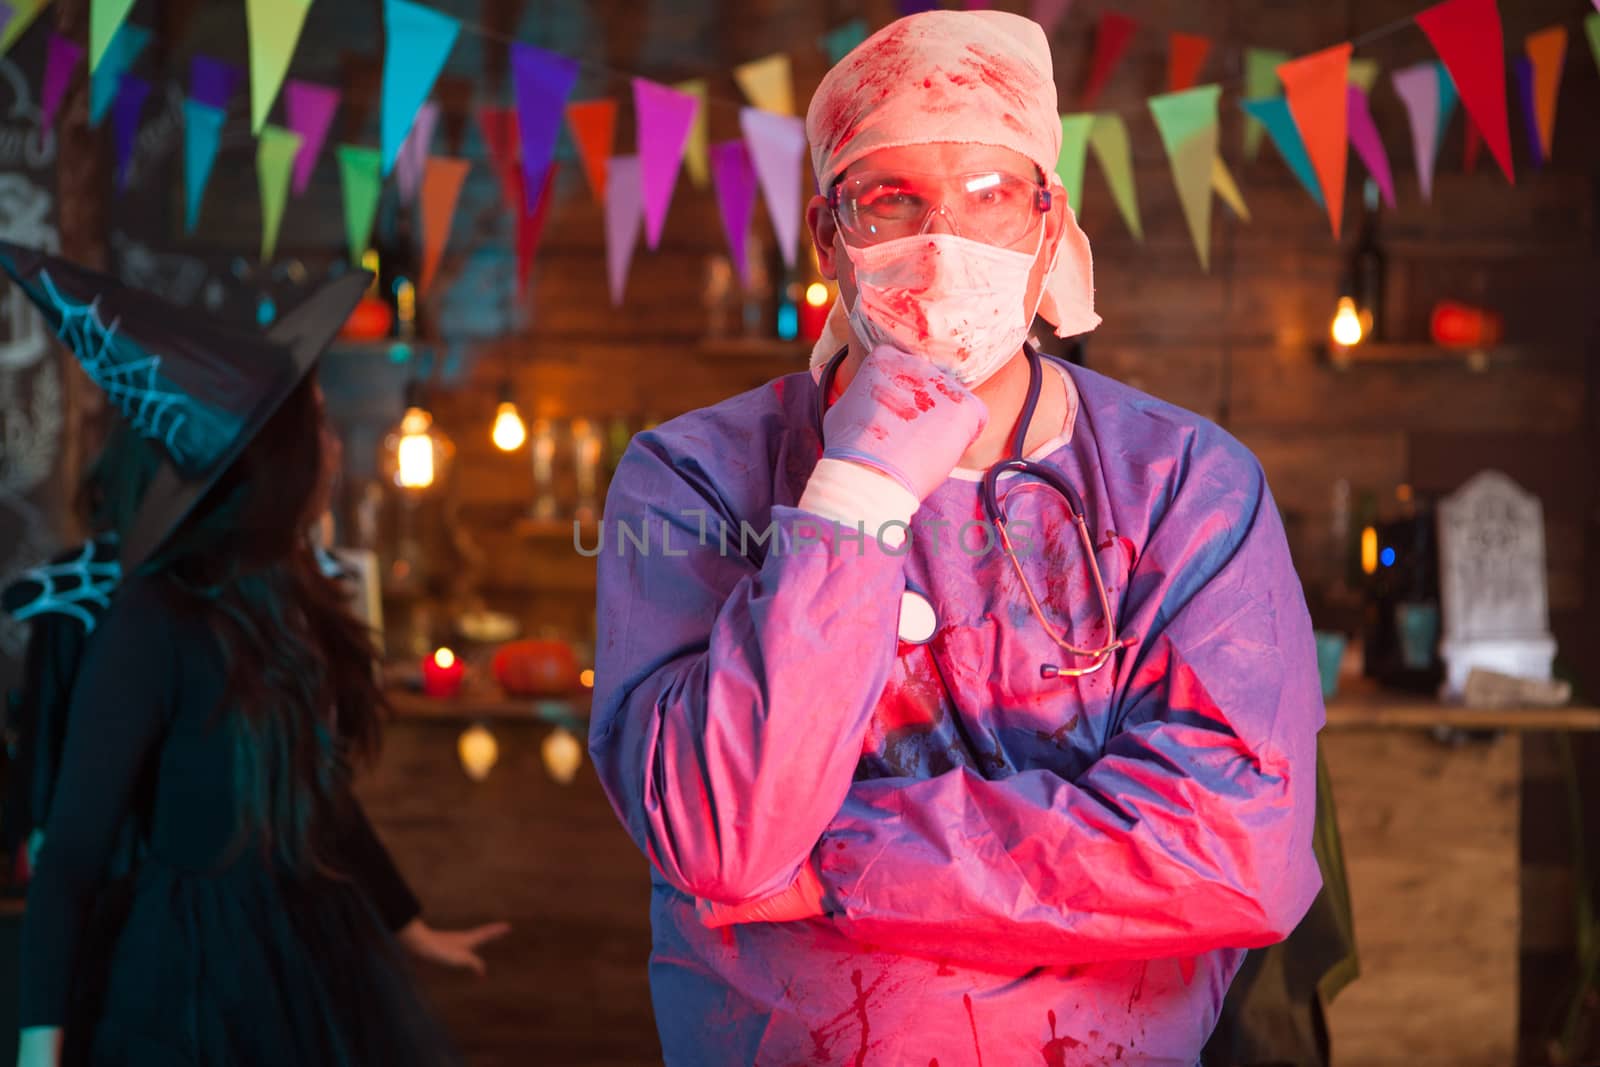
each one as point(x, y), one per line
point(1017, 869)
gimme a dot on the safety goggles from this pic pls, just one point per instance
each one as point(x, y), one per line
point(992, 206)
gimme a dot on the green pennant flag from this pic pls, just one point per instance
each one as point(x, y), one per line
point(1591, 25)
point(1109, 139)
point(361, 178)
point(1364, 72)
point(104, 18)
point(275, 152)
point(1069, 165)
point(274, 27)
point(1187, 122)
point(23, 12)
point(1260, 79)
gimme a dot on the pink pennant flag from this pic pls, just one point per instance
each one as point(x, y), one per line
point(310, 109)
point(735, 179)
point(624, 187)
point(664, 117)
point(1417, 86)
point(498, 125)
point(61, 60)
point(413, 157)
point(777, 146)
point(1049, 13)
point(1468, 38)
point(1368, 145)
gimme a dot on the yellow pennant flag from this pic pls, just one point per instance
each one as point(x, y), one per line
point(694, 153)
point(1109, 141)
point(1223, 184)
point(769, 83)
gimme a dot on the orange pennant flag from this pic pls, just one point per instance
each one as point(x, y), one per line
point(594, 126)
point(1319, 102)
point(441, 185)
point(1185, 57)
point(1547, 49)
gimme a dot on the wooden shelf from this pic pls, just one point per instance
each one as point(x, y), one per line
point(475, 706)
point(1367, 707)
point(754, 348)
point(1420, 353)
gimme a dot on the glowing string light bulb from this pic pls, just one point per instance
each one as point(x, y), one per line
point(478, 751)
point(509, 432)
point(1347, 329)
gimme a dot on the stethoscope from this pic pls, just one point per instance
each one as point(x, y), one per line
point(919, 621)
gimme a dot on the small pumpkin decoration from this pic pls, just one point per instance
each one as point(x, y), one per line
point(536, 668)
point(369, 320)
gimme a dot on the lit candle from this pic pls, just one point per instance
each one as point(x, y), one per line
point(442, 674)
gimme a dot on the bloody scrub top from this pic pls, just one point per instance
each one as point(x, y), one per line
point(1016, 869)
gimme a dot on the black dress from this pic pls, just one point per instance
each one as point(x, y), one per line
point(211, 953)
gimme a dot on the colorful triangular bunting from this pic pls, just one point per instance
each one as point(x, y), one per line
point(1111, 39)
point(1317, 87)
point(735, 179)
point(125, 123)
point(694, 153)
point(542, 81)
point(664, 117)
point(1260, 81)
point(361, 181)
point(839, 41)
point(1417, 86)
point(1109, 141)
point(1368, 145)
point(274, 27)
point(106, 82)
point(105, 18)
point(777, 146)
point(1273, 114)
point(61, 59)
point(1186, 54)
point(498, 125)
point(275, 152)
point(1468, 38)
point(768, 83)
point(624, 211)
point(21, 16)
point(1547, 51)
point(417, 41)
point(441, 187)
point(1223, 185)
point(310, 109)
point(202, 133)
point(1069, 164)
point(414, 152)
point(213, 82)
point(594, 129)
point(1187, 122)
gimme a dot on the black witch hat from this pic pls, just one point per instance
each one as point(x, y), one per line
point(197, 389)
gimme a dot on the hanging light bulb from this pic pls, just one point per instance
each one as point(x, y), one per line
point(416, 451)
point(478, 751)
point(509, 431)
point(1347, 329)
point(563, 755)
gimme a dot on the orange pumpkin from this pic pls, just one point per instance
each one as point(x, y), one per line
point(369, 321)
point(536, 668)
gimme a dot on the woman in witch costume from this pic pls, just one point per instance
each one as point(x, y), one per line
point(220, 706)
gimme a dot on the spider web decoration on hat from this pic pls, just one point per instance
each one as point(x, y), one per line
point(131, 384)
point(79, 588)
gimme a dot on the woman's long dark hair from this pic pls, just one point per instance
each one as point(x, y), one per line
point(302, 686)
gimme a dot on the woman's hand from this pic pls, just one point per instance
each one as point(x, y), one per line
point(451, 948)
point(39, 1046)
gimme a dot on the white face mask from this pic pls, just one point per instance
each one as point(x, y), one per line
point(958, 302)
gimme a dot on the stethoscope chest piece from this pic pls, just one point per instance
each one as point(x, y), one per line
point(917, 618)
